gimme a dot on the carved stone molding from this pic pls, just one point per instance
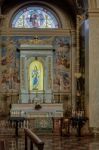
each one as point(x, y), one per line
point(25, 32)
point(93, 12)
point(36, 41)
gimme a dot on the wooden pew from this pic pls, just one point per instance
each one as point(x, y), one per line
point(34, 140)
point(2, 145)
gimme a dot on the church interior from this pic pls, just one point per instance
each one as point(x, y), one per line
point(48, 71)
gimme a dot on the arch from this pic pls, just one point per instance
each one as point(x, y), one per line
point(35, 16)
point(36, 72)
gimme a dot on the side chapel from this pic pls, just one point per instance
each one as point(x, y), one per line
point(48, 57)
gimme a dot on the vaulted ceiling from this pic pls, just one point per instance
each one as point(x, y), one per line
point(72, 6)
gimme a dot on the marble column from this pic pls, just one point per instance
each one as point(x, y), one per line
point(73, 67)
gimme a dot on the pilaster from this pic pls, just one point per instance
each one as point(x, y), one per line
point(94, 68)
point(92, 3)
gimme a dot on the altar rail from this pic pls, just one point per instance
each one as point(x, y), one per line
point(34, 139)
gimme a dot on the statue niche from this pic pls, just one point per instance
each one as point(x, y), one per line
point(36, 74)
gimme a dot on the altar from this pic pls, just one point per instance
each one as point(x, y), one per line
point(44, 119)
point(36, 98)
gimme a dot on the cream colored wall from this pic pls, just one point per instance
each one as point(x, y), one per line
point(97, 3)
point(92, 4)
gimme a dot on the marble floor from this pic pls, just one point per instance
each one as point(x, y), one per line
point(57, 143)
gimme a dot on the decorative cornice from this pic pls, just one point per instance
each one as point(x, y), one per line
point(93, 12)
point(31, 32)
point(36, 41)
point(35, 47)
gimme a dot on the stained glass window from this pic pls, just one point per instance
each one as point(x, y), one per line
point(34, 17)
point(36, 76)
